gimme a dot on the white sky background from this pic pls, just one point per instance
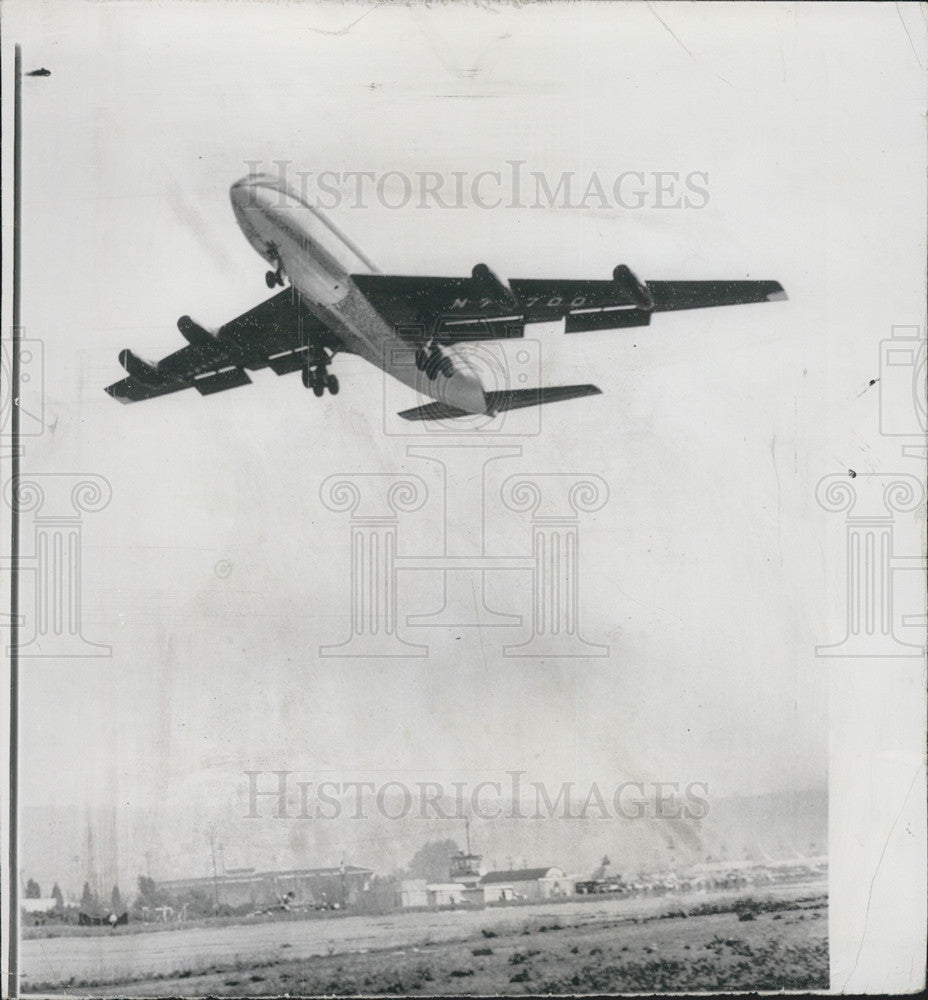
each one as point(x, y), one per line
point(706, 571)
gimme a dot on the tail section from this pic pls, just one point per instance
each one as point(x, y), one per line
point(508, 399)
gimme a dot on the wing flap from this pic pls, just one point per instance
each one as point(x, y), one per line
point(609, 318)
point(283, 364)
point(453, 331)
point(229, 378)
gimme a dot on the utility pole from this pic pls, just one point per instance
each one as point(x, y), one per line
point(212, 847)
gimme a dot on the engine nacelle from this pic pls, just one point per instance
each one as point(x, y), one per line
point(638, 290)
point(194, 334)
point(139, 369)
point(489, 283)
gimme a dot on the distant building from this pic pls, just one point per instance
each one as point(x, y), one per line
point(412, 892)
point(448, 894)
point(468, 888)
point(530, 884)
point(418, 892)
point(498, 892)
point(295, 887)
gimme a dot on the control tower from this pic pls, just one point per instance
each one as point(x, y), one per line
point(464, 866)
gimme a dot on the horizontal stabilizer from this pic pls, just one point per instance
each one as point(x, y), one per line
point(509, 399)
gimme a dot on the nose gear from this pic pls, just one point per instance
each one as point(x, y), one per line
point(276, 277)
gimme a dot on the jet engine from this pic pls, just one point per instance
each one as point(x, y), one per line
point(138, 368)
point(639, 291)
point(489, 283)
point(194, 334)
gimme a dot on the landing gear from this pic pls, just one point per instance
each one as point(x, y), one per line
point(274, 278)
point(431, 360)
point(316, 374)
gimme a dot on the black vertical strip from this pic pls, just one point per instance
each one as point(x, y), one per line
point(13, 973)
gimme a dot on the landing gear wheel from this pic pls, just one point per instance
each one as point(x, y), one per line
point(316, 369)
point(435, 362)
point(432, 366)
point(271, 279)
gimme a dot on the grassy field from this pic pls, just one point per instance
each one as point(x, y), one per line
point(750, 945)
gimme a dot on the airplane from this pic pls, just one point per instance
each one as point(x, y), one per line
point(339, 301)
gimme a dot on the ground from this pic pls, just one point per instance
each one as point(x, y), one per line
point(683, 945)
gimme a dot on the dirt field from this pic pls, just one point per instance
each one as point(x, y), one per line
point(666, 944)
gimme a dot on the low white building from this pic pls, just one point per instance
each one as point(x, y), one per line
point(447, 894)
point(413, 892)
point(526, 884)
point(498, 892)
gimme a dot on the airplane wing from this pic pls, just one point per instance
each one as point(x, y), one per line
point(447, 310)
point(672, 295)
point(274, 335)
point(481, 307)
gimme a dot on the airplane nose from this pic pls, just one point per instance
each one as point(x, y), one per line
point(250, 206)
point(242, 192)
point(254, 183)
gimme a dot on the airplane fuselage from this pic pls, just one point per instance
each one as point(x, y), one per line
point(319, 260)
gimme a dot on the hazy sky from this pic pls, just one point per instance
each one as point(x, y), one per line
point(705, 572)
